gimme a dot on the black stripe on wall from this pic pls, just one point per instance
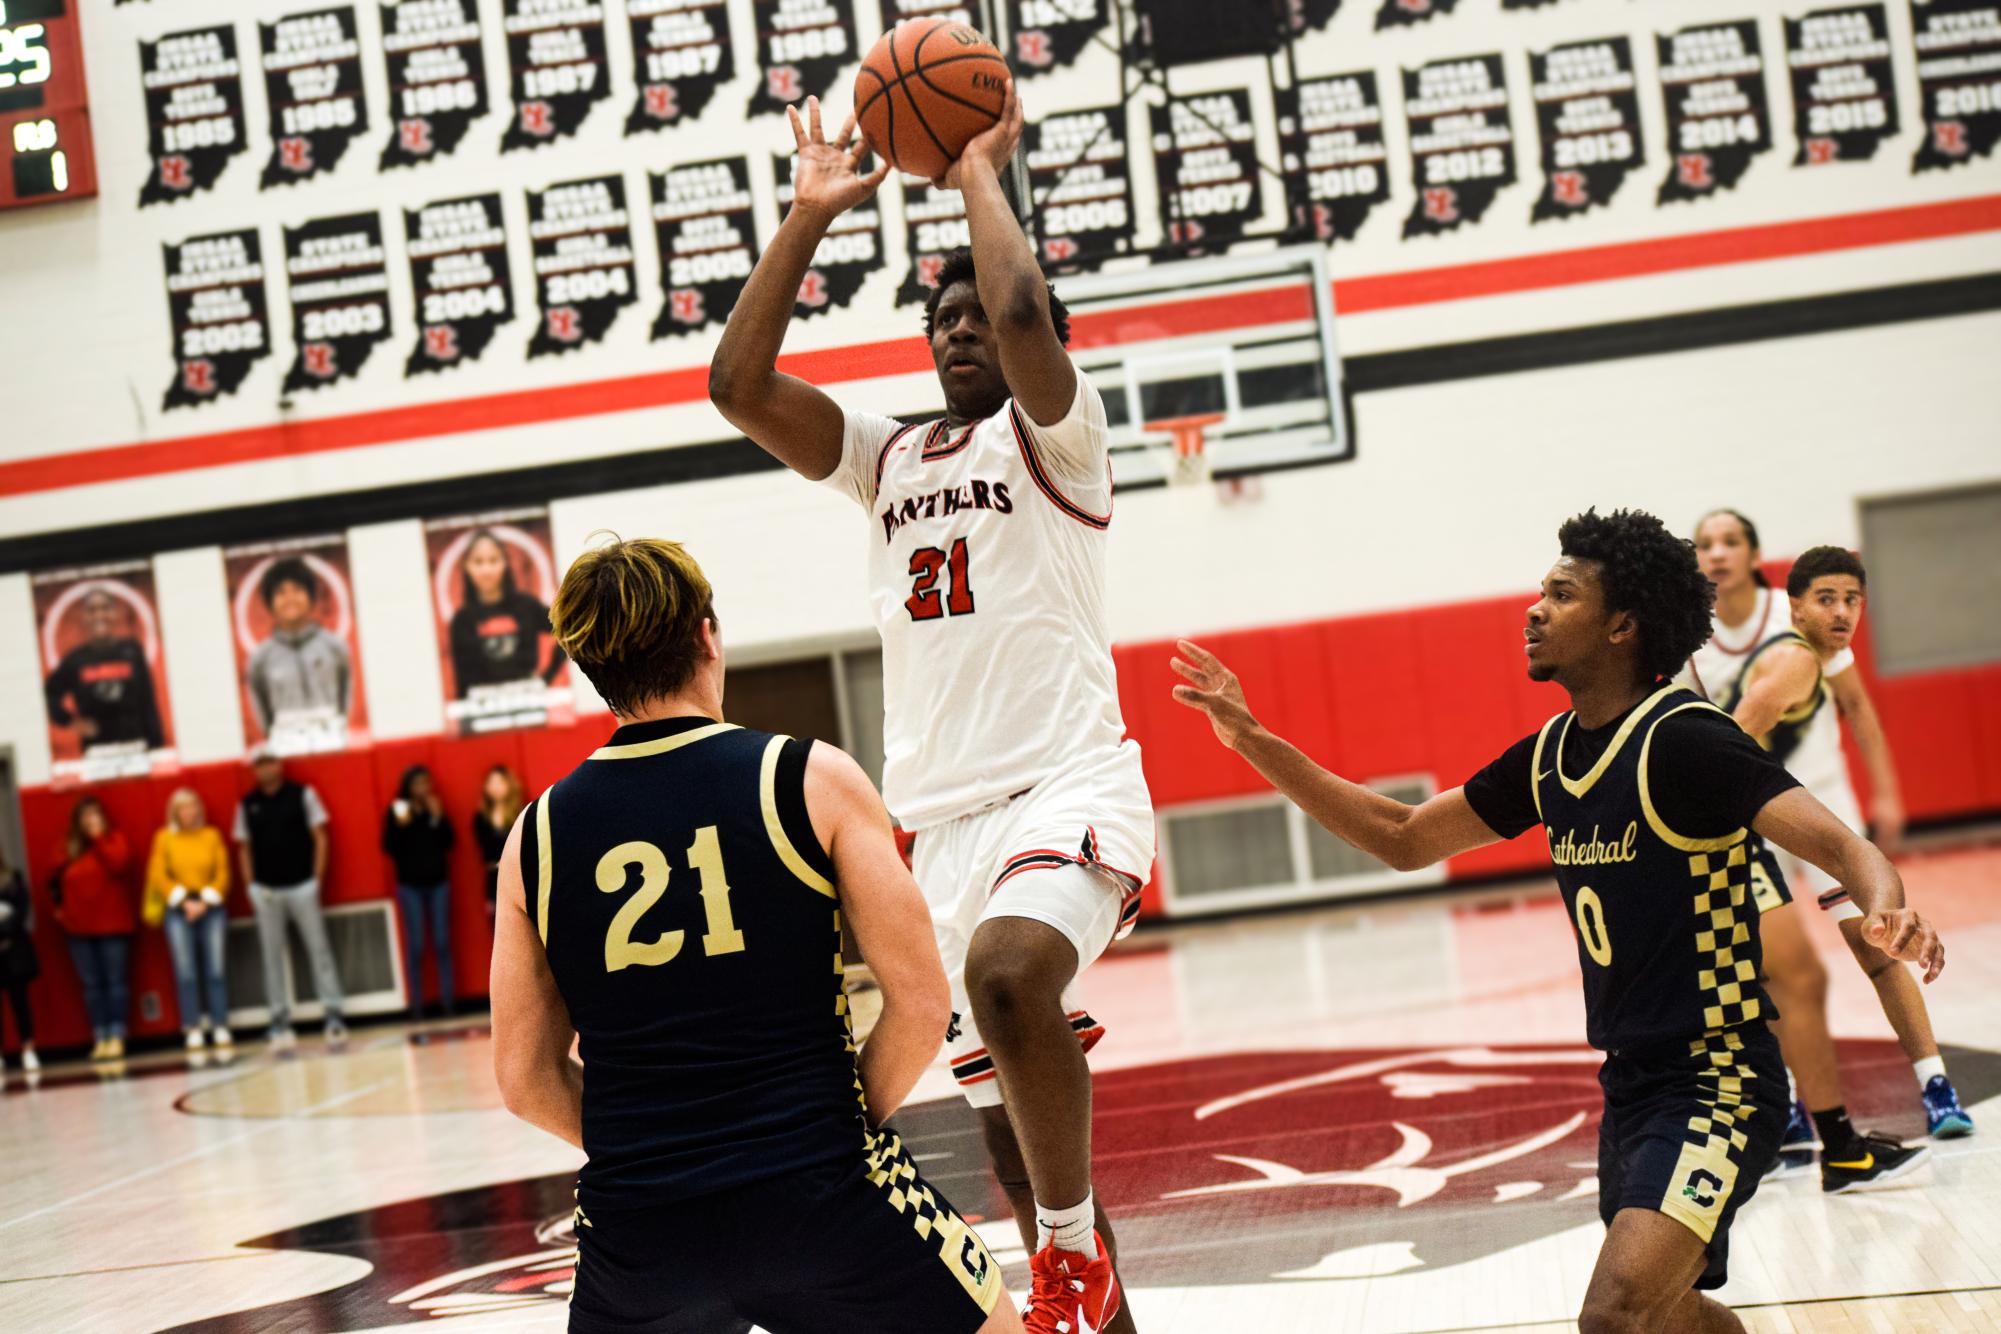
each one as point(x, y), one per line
point(1725, 327)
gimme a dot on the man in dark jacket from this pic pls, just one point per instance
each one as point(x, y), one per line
point(281, 844)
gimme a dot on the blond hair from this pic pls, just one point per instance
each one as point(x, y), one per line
point(181, 794)
point(630, 614)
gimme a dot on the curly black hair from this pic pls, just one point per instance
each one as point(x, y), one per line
point(1820, 561)
point(1648, 571)
point(288, 570)
point(958, 268)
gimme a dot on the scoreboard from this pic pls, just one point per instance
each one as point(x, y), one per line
point(45, 149)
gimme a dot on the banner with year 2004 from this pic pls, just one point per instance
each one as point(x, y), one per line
point(459, 277)
point(581, 237)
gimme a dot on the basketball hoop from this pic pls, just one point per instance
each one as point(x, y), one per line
point(1187, 452)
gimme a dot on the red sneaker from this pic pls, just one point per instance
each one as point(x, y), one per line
point(1072, 1294)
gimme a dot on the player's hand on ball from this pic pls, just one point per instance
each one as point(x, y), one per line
point(1902, 934)
point(826, 174)
point(1214, 690)
point(993, 146)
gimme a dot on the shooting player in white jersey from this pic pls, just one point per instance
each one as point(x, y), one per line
point(1005, 750)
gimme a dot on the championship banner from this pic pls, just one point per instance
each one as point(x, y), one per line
point(1844, 92)
point(215, 306)
point(104, 678)
point(851, 250)
point(1462, 145)
point(337, 270)
point(1050, 34)
point(194, 110)
point(459, 277)
point(1587, 111)
point(1403, 13)
point(1311, 15)
point(802, 45)
point(291, 614)
point(934, 223)
point(493, 577)
point(1526, 4)
point(1959, 79)
point(1206, 159)
point(707, 234)
point(556, 68)
point(437, 77)
point(312, 84)
point(1080, 182)
point(682, 52)
point(1332, 130)
point(581, 237)
point(1713, 78)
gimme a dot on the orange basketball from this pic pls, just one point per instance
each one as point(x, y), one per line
point(925, 90)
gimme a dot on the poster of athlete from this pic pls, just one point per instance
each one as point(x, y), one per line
point(1844, 91)
point(104, 679)
point(291, 616)
point(492, 579)
point(194, 110)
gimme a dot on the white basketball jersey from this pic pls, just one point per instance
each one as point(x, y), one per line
point(987, 580)
point(1817, 761)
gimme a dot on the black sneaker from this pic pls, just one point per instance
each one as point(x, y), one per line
point(1883, 1162)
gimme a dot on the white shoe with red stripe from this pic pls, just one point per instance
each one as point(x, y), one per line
point(1072, 1293)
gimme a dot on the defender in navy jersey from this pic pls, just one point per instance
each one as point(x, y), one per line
point(1649, 797)
point(673, 904)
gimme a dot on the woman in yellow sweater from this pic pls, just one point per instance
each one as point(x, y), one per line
point(187, 885)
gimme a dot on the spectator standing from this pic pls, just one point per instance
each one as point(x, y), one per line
point(418, 839)
point(19, 964)
point(187, 886)
point(499, 803)
point(281, 839)
point(94, 907)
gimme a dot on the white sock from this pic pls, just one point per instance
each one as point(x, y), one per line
point(1929, 1066)
point(1067, 1229)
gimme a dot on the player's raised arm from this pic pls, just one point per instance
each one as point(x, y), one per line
point(1405, 836)
point(789, 418)
point(1796, 821)
point(891, 924)
point(1013, 291)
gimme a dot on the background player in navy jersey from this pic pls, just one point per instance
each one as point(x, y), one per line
point(1647, 795)
point(673, 904)
point(1004, 749)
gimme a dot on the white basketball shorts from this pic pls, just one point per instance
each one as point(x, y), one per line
point(1072, 852)
point(1807, 879)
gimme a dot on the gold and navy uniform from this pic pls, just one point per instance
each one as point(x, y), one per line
point(690, 916)
point(1648, 822)
point(1768, 879)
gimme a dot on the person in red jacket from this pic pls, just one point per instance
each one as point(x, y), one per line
point(93, 897)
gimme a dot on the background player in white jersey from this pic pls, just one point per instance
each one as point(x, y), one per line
point(1757, 665)
point(1004, 747)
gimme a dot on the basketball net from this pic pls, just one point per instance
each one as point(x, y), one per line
point(1187, 460)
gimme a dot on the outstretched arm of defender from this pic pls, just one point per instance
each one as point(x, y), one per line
point(1796, 821)
point(1407, 837)
point(891, 925)
point(531, 1026)
point(789, 418)
point(1780, 681)
point(1013, 292)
